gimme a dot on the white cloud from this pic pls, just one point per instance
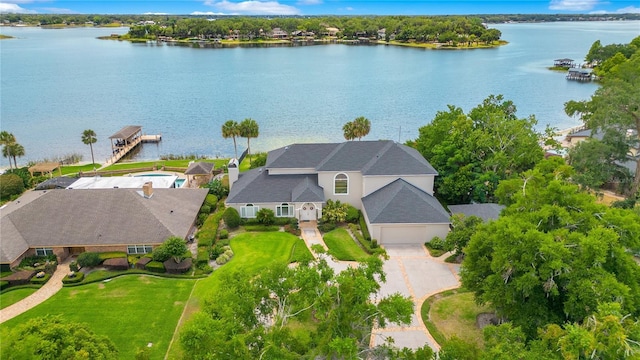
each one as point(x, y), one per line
point(59, 10)
point(309, 2)
point(573, 5)
point(626, 10)
point(155, 13)
point(253, 7)
point(349, 8)
point(206, 13)
point(13, 9)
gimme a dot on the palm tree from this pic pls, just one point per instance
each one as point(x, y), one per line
point(231, 129)
point(89, 138)
point(361, 125)
point(349, 131)
point(7, 139)
point(249, 129)
point(13, 150)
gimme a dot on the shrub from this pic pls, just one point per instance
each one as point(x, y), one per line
point(201, 219)
point(353, 214)
point(10, 185)
point(222, 259)
point(24, 174)
point(50, 267)
point(160, 254)
point(112, 255)
point(374, 244)
point(364, 229)
point(89, 259)
point(436, 243)
point(216, 251)
point(74, 266)
point(231, 218)
point(228, 253)
point(205, 268)
point(205, 209)
point(224, 234)
point(285, 221)
point(258, 160)
point(31, 260)
point(155, 266)
point(211, 201)
point(292, 229)
point(326, 227)
point(266, 216)
point(40, 280)
point(203, 256)
point(216, 188)
point(263, 228)
point(3, 285)
point(78, 277)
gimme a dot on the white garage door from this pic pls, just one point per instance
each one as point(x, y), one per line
point(403, 234)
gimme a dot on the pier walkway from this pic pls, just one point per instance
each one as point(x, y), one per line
point(125, 140)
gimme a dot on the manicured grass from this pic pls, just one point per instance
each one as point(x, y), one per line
point(253, 252)
point(454, 313)
point(13, 296)
point(74, 169)
point(132, 311)
point(342, 246)
point(300, 252)
point(171, 163)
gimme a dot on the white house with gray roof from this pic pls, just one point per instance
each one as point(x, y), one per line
point(391, 183)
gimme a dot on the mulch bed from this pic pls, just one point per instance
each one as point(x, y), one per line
point(142, 262)
point(20, 277)
point(174, 268)
point(116, 264)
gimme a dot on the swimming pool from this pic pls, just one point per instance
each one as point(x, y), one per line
point(179, 182)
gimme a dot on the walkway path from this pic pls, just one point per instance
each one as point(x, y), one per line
point(410, 271)
point(46, 291)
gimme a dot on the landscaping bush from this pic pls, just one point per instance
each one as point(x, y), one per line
point(50, 267)
point(285, 221)
point(353, 214)
point(10, 185)
point(203, 256)
point(116, 264)
point(325, 227)
point(205, 209)
point(30, 261)
point(211, 201)
point(76, 278)
point(177, 268)
point(205, 268)
point(228, 253)
point(231, 218)
point(436, 243)
point(89, 259)
point(74, 266)
point(4, 285)
point(374, 244)
point(112, 255)
point(216, 188)
point(142, 263)
point(262, 228)
point(216, 251)
point(207, 233)
point(364, 229)
point(25, 175)
point(201, 219)
point(155, 266)
point(160, 254)
point(40, 280)
point(292, 229)
point(222, 259)
point(266, 216)
point(224, 234)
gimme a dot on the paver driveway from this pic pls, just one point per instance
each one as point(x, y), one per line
point(412, 272)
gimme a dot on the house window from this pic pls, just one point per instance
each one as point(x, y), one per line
point(44, 251)
point(249, 211)
point(284, 210)
point(341, 184)
point(139, 249)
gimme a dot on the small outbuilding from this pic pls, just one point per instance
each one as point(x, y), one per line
point(199, 172)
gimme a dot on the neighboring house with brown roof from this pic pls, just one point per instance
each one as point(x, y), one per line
point(391, 183)
point(66, 222)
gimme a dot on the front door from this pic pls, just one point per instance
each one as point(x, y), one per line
point(308, 212)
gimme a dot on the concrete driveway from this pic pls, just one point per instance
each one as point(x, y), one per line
point(412, 272)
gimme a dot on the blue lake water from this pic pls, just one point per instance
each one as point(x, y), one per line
point(56, 83)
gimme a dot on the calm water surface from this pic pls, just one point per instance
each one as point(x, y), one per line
point(56, 83)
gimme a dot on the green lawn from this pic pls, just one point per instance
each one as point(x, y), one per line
point(342, 246)
point(300, 252)
point(171, 163)
point(13, 296)
point(253, 252)
point(132, 311)
point(454, 313)
point(74, 169)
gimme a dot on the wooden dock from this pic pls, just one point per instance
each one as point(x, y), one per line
point(125, 140)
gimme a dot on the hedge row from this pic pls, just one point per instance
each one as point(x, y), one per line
point(261, 228)
point(203, 256)
point(370, 247)
point(112, 255)
point(155, 266)
point(40, 281)
point(364, 229)
point(209, 230)
point(79, 276)
point(4, 284)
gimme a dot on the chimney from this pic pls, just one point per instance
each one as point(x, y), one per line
point(147, 189)
point(234, 171)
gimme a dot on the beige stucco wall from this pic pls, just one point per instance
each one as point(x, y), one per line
point(272, 206)
point(325, 180)
point(373, 183)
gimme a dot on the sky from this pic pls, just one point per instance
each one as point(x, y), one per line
point(319, 7)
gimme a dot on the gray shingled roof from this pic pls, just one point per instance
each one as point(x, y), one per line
point(99, 217)
point(484, 211)
point(199, 168)
point(60, 182)
point(402, 203)
point(126, 132)
point(299, 155)
point(256, 186)
point(383, 157)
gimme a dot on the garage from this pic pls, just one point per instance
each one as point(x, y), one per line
point(406, 234)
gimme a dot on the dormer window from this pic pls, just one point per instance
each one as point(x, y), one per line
point(341, 184)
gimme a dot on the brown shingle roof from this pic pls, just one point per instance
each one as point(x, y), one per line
point(199, 168)
point(126, 132)
point(99, 217)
